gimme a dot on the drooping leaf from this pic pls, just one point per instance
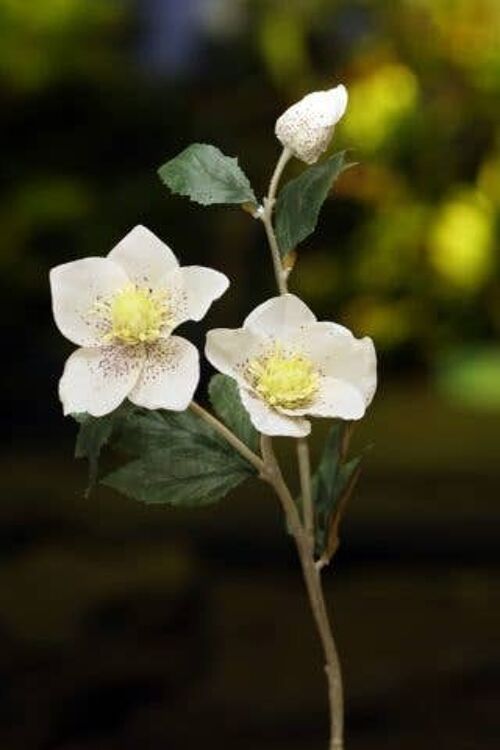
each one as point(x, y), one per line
point(225, 398)
point(94, 433)
point(331, 485)
point(206, 175)
point(301, 199)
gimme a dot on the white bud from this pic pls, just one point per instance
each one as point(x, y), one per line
point(306, 128)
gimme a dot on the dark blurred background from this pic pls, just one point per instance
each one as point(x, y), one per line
point(125, 626)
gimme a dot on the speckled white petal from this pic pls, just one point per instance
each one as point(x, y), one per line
point(270, 422)
point(144, 257)
point(229, 350)
point(76, 287)
point(306, 127)
point(337, 398)
point(280, 317)
point(169, 377)
point(96, 380)
point(192, 289)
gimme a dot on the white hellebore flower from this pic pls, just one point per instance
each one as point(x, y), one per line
point(306, 128)
point(288, 365)
point(121, 310)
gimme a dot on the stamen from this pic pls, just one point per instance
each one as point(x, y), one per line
point(135, 315)
point(289, 381)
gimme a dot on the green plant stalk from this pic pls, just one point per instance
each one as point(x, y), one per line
point(229, 436)
point(312, 577)
point(303, 535)
point(269, 471)
point(305, 488)
point(266, 216)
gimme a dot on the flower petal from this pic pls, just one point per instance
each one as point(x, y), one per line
point(192, 289)
point(279, 317)
point(337, 103)
point(339, 354)
point(307, 127)
point(144, 257)
point(337, 398)
point(169, 377)
point(270, 422)
point(96, 380)
point(76, 287)
point(230, 349)
point(356, 364)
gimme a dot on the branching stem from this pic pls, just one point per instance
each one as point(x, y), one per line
point(303, 534)
point(312, 578)
point(229, 436)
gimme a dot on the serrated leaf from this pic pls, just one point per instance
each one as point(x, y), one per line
point(142, 431)
point(207, 176)
point(94, 433)
point(179, 459)
point(225, 398)
point(301, 199)
point(180, 476)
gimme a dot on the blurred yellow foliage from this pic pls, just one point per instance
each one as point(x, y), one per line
point(377, 105)
point(282, 41)
point(40, 40)
point(461, 240)
point(489, 178)
point(468, 31)
point(390, 246)
point(389, 323)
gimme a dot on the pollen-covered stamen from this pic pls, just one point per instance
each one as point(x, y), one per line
point(136, 315)
point(289, 381)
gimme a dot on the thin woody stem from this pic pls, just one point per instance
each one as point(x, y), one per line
point(305, 486)
point(303, 535)
point(266, 216)
point(229, 436)
point(312, 578)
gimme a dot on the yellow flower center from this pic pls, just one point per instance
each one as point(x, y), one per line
point(289, 381)
point(137, 315)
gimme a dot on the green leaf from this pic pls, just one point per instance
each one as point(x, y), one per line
point(180, 460)
point(185, 477)
point(225, 398)
point(300, 201)
point(207, 176)
point(331, 482)
point(142, 431)
point(92, 436)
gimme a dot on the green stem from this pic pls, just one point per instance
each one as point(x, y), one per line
point(267, 219)
point(312, 578)
point(229, 436)
point(303, 535)
point(305, 486)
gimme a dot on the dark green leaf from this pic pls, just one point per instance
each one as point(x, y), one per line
point(207, 176)
point(300, 201)
point(225, 398)
point(330, 483)
point(92, 436)
point(142, 431)
point(183, 476)
point(180, 459)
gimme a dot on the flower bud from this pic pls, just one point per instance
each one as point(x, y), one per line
point(306, 127)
